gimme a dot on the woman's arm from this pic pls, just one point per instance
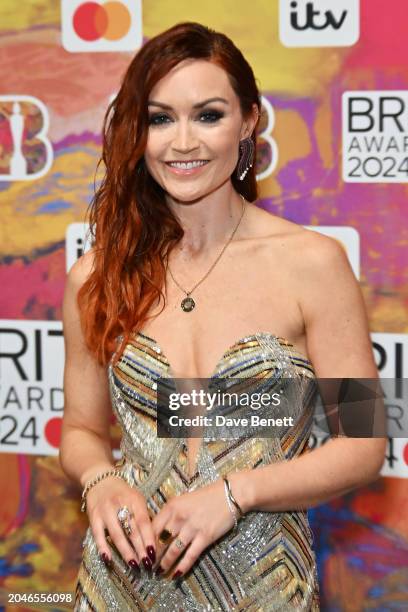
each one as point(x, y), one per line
point(337, 467)
point(85, 446)
point(339, 346)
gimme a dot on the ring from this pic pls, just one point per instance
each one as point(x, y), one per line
point(165, 536)
point(127, 528)
point(179, 543)
point(124, 515)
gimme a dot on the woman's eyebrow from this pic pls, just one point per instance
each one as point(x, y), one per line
point(198, 105)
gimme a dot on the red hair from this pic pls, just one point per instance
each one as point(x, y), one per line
point(132, 228)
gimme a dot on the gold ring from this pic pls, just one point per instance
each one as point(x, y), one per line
point(165, 536)
point(127, 528)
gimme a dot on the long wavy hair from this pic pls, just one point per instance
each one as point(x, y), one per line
point(131, 227)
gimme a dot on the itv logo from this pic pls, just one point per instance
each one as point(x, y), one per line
point(101, 26)
point(319, 23)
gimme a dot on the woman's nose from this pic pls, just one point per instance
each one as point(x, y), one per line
point(185, 139)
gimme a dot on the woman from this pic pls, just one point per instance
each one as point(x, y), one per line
point(184, 265)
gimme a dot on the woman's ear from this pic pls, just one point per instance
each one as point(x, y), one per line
point(250, 122)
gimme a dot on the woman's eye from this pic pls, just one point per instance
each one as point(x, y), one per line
point(209, 117)
point(155, 119)
point(214, 116)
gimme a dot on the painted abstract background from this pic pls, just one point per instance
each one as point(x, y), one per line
point(362, 538)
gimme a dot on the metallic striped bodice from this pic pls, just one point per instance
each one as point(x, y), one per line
point(269, 563)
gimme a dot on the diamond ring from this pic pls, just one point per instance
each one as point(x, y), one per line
point(124, 515)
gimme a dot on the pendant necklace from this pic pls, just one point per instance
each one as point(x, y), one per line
point(187, 303)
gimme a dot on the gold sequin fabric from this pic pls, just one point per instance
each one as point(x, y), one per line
point(269, 562)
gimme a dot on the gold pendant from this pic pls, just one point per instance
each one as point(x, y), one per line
point(187, 304)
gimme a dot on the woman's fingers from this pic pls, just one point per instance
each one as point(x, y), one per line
point(104, 502)
point(148, 548)
point(136, 537)
point(161, 520)
point(120, 540)
point(98, 532)
point(175, 549)
point(193, 551)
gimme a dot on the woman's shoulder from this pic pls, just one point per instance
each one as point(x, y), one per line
point(82, 268)
point(267, 225)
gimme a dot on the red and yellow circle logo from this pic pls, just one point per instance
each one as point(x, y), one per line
point(93, 21)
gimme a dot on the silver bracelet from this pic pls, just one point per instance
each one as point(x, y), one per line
point(92, 482)
point(233, 500)
point(230, 504)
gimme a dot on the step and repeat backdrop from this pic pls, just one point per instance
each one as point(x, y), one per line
point(332, 156)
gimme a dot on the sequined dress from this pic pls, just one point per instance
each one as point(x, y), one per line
point(269, 563)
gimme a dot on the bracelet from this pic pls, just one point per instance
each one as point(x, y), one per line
point(91, 483)
point(233, 505)
point(230, 505)
point(232, 498)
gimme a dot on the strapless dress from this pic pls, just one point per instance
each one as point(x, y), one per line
point(269, 562)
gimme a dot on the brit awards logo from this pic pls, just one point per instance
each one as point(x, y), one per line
point(31, 386)
point(375, 139)
point(25, 150)
point(390, 351)
point(319, 23)
point(101, 26)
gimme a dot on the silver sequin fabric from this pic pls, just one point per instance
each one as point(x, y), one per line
point(269, 562)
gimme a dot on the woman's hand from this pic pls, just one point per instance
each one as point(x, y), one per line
point(103, 502)
point(198, 519)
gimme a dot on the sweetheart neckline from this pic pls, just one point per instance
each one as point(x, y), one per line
point(190, 478)
point(220, 361)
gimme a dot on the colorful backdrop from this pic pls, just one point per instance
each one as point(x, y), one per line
point(332, 155)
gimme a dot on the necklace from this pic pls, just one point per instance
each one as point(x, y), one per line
point(187, 304)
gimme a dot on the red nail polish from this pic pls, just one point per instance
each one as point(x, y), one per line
point(105, 559)
point(159, 570)
point(134, 564)
point(151, 553)
point(147, 563)
point(177, 574)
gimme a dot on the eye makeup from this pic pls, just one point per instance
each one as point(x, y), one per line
point(211, 116)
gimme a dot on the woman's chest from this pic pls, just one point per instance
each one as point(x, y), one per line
point(239, 298)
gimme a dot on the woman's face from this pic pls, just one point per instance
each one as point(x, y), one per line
point(194, 116)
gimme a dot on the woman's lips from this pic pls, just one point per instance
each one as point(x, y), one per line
point(186, 171)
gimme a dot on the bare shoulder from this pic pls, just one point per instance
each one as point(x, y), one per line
point(77, 275)
point(300, 250)
point(320, 269)
point(320, 250)
point(293, 238)
point(81, 269)
point(320, 279)
point(262, 223)
point(322, 259)
point(333, 308)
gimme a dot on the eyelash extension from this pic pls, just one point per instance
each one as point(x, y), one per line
point(215, 114)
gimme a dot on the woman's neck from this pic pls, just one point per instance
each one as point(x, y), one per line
point(207, 223)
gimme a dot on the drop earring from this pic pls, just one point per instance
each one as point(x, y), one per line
point(246, 157)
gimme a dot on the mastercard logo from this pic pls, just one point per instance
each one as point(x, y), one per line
point(92, 21)
point(113, 25)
